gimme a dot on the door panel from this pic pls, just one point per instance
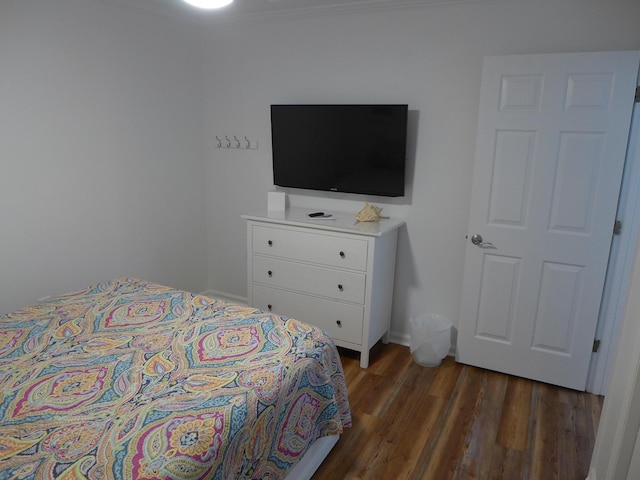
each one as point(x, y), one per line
point(499, 287)
point(556, 319)
point(550, 150)
point(512, 177)
point(579, 158)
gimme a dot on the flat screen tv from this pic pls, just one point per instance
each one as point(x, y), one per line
point(340, 148)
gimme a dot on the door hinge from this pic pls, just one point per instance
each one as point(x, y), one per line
point(637, 94)
point(596, 346)
point(617, 227)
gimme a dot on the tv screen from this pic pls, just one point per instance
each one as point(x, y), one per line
point(340, 148)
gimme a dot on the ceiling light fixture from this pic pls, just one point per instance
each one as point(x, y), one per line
point(208, 4)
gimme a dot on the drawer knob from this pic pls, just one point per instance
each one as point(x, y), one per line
point(339, 323)
point(270, 243)
point(342, 255)
point(270, 273)
point(340, 287)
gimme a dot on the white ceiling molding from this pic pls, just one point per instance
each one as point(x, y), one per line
point(262, 9)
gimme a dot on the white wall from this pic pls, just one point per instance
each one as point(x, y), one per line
point(101, 126)
point(101, 149)
point(428, 57)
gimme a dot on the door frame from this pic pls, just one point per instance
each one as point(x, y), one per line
point(614, 448)
point(620, 270)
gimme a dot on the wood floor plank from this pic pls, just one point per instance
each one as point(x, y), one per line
point(390, 373)
point(456, 422)
point(506, 464)
point(544, 456)
point(446, 377)
point(573, 442)
point(374, 391)
point(346, 456)
point(477, 457)
point(594, 404)
point(445, 451)
point(400, 451)
point(514, 423)
point(392, 362)
point(409, 447)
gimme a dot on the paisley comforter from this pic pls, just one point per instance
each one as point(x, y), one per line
point(133, 380)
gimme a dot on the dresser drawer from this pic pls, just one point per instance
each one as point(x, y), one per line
point(327, 282)
point(342, 321)
point(336, 251)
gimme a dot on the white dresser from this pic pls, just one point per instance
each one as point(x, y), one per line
point(336, 274)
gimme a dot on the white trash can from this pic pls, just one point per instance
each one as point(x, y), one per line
point(430, 339)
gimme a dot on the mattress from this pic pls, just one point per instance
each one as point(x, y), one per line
point(133, 380)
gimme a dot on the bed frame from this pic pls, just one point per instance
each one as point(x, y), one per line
point(313, 458)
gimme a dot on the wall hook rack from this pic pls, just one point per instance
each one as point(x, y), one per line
point(236, 142)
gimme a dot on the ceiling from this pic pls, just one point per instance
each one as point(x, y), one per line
point(244, 9)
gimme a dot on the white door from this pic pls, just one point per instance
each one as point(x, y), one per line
point(550, 150)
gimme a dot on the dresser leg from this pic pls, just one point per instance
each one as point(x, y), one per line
point(364, 358)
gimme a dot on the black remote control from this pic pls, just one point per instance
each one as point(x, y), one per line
point(316, 214)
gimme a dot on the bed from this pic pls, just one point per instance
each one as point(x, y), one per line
point(133, 380)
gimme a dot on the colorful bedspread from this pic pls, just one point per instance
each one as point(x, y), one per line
point(133, 380)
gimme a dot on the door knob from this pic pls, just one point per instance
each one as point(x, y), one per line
point(476, 239)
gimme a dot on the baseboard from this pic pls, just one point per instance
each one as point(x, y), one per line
point(400, 338)
point(225, 296)
point(405, 339)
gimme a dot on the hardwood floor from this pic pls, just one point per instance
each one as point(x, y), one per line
point(458, 422)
